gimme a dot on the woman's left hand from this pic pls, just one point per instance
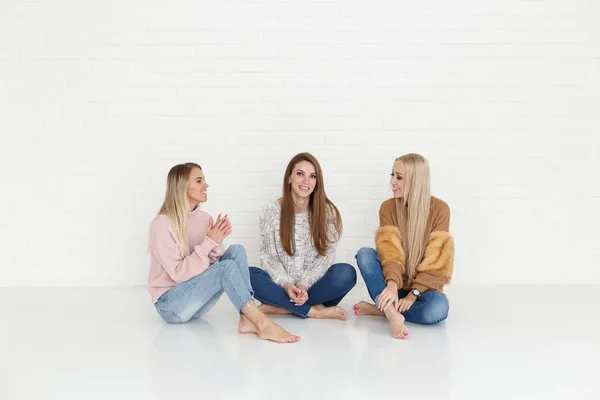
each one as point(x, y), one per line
point(303, 295)
point(405, 303)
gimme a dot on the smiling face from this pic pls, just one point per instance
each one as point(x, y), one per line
point(196, 190)
point(303, 179)
point(397, 180)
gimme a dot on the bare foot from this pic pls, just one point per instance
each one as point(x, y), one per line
point(246, 326)
point(272, 310)
point(364, 308)
point(272, 331)
point(254, 321)
point(321, 312)
point(399, 330)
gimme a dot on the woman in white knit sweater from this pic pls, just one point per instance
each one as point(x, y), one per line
point(298, 236)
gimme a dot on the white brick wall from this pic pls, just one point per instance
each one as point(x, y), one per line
point(99, 99)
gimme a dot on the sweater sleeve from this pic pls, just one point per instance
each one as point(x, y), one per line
point(164, 245)
point(216, 252)
point(435, 270)
point(389, 245)
point(319, 266)
point(269, 259)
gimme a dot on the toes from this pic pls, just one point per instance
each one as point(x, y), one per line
point(400, 335)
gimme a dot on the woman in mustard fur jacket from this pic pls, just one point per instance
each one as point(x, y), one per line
point(406, 275)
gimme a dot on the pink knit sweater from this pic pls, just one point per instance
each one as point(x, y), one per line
point(167, 266)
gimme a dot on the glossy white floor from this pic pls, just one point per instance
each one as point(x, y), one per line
point(498, 343)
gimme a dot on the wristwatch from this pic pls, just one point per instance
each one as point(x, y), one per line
point(416, 292)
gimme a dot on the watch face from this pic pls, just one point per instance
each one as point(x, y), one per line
point(416, 292)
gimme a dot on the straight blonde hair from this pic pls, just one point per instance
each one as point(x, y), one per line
point(414, 209)
point(176, 205)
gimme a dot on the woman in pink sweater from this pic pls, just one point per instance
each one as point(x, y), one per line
point(190, 269)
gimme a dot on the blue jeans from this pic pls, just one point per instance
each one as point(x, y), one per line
point(195, 297)
point(429, 308)
point(329, 290)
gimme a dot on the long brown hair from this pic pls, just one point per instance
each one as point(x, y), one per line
point(176, 205)
point(321, 209)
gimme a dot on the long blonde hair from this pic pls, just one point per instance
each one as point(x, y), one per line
point(414, 209)
point(176, 205)
point(319, 203)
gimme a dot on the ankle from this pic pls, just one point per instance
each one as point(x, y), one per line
point(391, 312)
point(262, 322)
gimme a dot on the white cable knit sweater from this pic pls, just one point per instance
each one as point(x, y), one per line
point(306, 266)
